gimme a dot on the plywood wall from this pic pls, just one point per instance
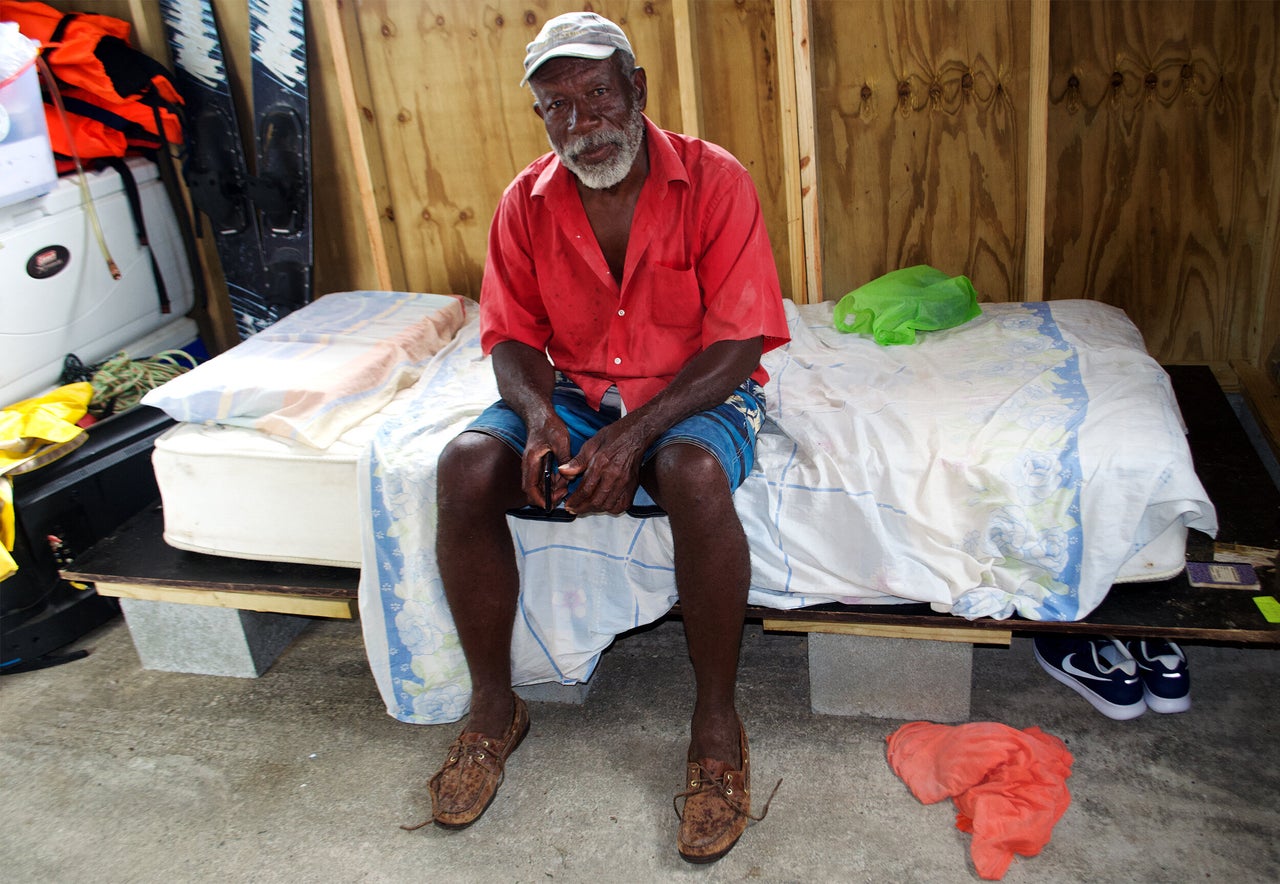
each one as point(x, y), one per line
point(453, 124)
point(741, 106)
point(921, 131)
point(913, 122)
point(1163, 167)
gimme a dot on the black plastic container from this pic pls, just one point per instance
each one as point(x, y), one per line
point(63, 508)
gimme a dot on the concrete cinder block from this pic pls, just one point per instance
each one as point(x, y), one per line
point(550, 692)
point(890, 677)
point(205, 640)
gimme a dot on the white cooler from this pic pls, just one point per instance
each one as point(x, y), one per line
point(58, 296)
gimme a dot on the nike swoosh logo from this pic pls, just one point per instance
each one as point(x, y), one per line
point(1070, 668)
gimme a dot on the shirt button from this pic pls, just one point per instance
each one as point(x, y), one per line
point(622, 312)
point(617, 360)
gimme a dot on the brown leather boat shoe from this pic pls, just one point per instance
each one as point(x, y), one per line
point(466, 784)
point(717, 806)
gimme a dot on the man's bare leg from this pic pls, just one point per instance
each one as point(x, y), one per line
point(478, 481)
point(713, 574)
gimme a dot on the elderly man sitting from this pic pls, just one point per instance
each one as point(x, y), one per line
point(629, 292)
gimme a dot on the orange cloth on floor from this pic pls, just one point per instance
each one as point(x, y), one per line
point(1009, 786)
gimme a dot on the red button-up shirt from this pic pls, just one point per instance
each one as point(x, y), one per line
point(698, 270)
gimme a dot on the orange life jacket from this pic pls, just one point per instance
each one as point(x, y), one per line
point(118, 100)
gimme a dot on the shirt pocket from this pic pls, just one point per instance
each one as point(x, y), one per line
point(675, 298)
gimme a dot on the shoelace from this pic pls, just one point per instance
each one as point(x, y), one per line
point(459, 753)
point(724, 785)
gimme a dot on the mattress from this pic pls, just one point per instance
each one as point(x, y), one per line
point(262, 463)
point(239, 492)
point(235, 491)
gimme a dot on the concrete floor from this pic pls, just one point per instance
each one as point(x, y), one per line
point(109, 772)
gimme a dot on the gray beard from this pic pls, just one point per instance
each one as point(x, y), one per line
point(602, 176)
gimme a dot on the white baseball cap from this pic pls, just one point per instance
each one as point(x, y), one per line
point(574, 35)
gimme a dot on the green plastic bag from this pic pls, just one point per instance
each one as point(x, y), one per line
point(895, 306)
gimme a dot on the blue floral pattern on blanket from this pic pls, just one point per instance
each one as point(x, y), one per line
point(967, 471)
point(425, 669)
point(1033, 529)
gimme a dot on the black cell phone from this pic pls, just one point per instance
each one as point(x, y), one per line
point(549, 467)
point(547, 512)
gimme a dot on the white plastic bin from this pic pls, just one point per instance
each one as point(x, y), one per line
point(26, 160)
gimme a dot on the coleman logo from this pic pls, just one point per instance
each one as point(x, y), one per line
point(48, 261)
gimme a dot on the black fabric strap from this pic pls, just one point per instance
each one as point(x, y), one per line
point(139, 224)
point(189, 231)
point(60, 29)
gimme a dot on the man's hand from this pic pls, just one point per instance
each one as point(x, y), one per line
point(551, 437)
point(609, 463)
point(525, 382)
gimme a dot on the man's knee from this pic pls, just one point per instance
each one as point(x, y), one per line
point(684, 474)
point(478, 467)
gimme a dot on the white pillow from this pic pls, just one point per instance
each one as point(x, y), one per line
point(320, 370)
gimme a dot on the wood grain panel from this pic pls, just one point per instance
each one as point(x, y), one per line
point(921, 139)
point(345, 258)
point(1162, 138)
point(1163, 179)
point(455, 126)
point(740, 103)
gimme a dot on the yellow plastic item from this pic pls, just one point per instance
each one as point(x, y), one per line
point(29, 430)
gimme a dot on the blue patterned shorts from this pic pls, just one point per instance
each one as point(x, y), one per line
point(727, 431)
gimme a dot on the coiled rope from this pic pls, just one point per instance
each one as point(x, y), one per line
point(119, 382)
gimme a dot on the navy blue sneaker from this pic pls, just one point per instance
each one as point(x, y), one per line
point(1166, 682)
point(1099, 669)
